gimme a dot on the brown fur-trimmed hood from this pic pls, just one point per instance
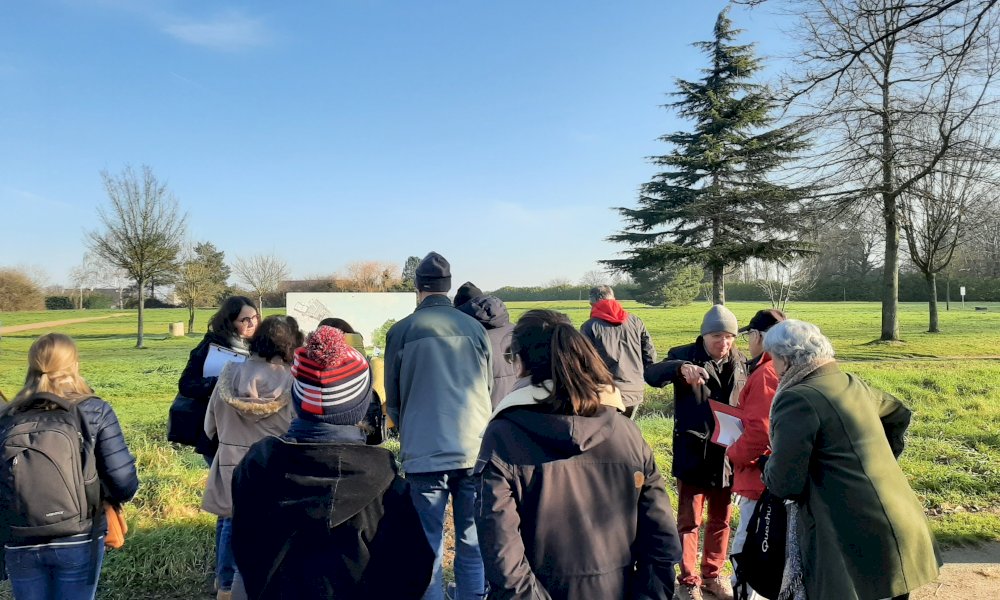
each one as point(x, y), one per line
point(257, 387)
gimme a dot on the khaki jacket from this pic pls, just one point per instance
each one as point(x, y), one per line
point(251, 401)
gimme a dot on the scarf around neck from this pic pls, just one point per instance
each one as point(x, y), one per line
point(792, 585)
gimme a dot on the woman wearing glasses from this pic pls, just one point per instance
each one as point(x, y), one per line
point(571, 504)
point(230, 327)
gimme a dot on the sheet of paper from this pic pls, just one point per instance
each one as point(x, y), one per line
point(217, 358)
point(728, 424)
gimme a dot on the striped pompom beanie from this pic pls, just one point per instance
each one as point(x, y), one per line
point(332, 381)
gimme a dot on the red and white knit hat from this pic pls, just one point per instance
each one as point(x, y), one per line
point(332, 381)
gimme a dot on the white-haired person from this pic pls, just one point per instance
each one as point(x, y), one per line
point(856, 530)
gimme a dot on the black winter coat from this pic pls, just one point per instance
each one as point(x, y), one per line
point(326, 520)
point(697, 461)
point(193, 385)
point(573, 507)
point(492, 313)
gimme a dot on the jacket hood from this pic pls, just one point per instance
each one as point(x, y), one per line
point(610, 311)
point(525, 394)
point(564, 435)
point(328, 483)
point(256, 388)
point(488, 310)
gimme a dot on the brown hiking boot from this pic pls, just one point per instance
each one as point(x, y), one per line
point(688, 591)
point(718, 587)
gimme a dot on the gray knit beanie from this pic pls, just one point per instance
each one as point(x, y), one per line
point(719, 318)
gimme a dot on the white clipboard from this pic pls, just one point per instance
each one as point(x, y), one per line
point(217, 358)
point(728, 423)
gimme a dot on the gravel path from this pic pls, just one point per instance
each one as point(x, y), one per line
point(51, 324)
point(969, 573)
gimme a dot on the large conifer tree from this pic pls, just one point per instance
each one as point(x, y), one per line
point(717, 203)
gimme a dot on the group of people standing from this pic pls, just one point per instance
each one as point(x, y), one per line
point(527, 430)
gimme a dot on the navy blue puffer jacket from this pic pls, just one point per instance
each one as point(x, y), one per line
point(115, 464)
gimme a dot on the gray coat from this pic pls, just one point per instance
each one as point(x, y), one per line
point(626, 349)
point(438, 376)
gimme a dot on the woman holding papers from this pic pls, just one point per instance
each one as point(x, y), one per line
point(571, 504)
point(230, 328)
point(856, 530)
point(755, 403)
point(251, 400)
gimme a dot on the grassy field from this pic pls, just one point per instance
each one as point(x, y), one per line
point(951, 380)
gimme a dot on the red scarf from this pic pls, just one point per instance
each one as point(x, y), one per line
point(610, 311)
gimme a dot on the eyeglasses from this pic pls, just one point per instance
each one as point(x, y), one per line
point(509, 355)
point(248, 321)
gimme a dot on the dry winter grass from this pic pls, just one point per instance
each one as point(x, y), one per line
point(951, 380)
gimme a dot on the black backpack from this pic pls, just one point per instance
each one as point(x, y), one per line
point(49, 487)
point(761, 563)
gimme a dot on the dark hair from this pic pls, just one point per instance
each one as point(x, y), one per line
point(336, 323)
point(277, 336)
point(222, 320)
point(551, 348)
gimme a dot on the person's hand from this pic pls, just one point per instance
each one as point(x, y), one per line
point(693, 374)
point(762, 461)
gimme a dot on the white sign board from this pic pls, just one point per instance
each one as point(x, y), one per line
point(366, 312)
point(961, 291)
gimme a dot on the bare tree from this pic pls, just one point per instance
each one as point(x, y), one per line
point(933, 215)
point(143, 229)
point(19, 290)
point(595, 277)
point(372, 276)
point(870, 71)
point(784, 281)
point(199, 281)
point(262, 273)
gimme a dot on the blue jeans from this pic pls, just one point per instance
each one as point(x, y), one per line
point(430, 493)
point(53, 572)
point(225, 564)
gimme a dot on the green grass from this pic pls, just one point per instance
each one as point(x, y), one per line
point(952, 458)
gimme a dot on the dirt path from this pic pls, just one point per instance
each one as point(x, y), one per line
point(50, 324)
point(969, 573)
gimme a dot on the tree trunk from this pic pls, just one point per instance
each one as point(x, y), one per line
point(260, 304)
point(718, 284)
point(190, 317)
point(932, 302)
point(890, 276)
point(141, 290)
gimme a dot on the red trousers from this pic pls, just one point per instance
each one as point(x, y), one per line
point(691, 501)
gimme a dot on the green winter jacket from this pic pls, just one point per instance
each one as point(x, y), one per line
point(862, 530)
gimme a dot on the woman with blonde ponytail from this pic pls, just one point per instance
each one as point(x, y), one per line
point(65, 567)
point(570, 504)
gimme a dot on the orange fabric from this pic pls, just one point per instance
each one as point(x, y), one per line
point(755, 399)
point(117, 527)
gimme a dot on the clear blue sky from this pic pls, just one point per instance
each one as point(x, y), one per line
point(497, 133)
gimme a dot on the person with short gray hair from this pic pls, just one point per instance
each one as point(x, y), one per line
point(622, 342)
point(798, 343)
point(601, 292)
point(858, 528)
point(711, 368)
